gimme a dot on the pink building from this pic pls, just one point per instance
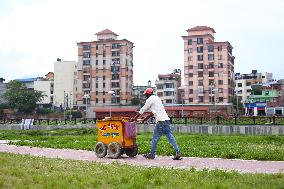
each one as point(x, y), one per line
point(208, 68)
point(105, 71)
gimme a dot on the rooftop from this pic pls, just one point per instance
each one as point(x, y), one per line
point(106, 31)
point(200, 28)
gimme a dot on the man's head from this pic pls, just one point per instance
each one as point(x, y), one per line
point(148, 92)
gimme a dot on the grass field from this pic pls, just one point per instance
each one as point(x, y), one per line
point(231, 147)
point(18, 171)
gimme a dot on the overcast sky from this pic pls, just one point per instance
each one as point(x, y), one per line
point(33, 33)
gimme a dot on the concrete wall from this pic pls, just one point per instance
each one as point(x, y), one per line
point(194, 129)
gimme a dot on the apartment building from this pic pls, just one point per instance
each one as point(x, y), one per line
point(65, 73)
point(245, 81)
point(105, 71)
point(208, 68)
point(46, 85)
point(168, 87)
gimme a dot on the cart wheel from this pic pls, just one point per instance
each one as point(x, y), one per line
point(131, 152)
point(101, 149)
point(114, 150)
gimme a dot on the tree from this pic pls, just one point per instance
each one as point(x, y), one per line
point(20, 98)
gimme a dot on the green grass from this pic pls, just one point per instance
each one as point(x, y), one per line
point(221, 146)
point(18, 171)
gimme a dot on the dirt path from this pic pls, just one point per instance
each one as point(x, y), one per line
point(244, 166)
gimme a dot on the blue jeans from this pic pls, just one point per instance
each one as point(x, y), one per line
point(163, 127)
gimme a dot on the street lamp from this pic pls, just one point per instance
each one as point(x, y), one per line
point(111, 93)
point(86, 96)
point(181, 88)
point(237, 93)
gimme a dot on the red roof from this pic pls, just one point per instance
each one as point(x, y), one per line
point(200, 28)
point(106, 31)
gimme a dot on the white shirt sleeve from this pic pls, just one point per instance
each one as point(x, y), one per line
point(146, 106)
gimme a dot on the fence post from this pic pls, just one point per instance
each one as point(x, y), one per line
point(218, 120)
point(84, 120)
point(185, 120)
point(274, 120)
point(236, 120)
point(201, 120)
point(47, 121)
point(75, 121)
point(65, 121)
point(253, 118)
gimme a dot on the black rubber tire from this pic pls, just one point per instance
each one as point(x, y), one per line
point(100, 149)
point(131, 152)
point(114, 150)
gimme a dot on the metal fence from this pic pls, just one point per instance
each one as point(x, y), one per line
point(52, 121)
point(237, 120)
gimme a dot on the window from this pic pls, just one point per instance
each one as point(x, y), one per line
point(200, 99)
point(219, 48)
point(220, 74)
point(200, 49)
point(240, 84)
point(115, 76)
point(104, 54)
point(190, 74)
point(220, 65)
point(97, 47)
point(190, 66)
point(200, 82)
point(190, 83)
point(97, 85)
point(211, 74)
point(115, 84)
point(190, 50)
point(200, 57)
point(220, 90)
point(220, 82)
point(104, 77)
point(210, 48)
point(211, 65)
point(200, 90)
point(97, 100)
point(190, 100)
point(200, 66)
point(169, 85)
point(210, 57)
point(86, 78)
point(211, 81)
point(220, 57)
point(160, 86)
point(190, 91)
point(86, 47)
point(115, 46)
point(97, 55)
point(115, 53)
point(86, 55)
point(189, 42)
point(86, 85)
point(104, 85)
point(97, 93)
point(221, 99)
point(200, 74)
point(190, 58)
point(86, 62)
point(97, 62)
point(115, 69)
point(199, 40)
point(169, 93)
point(104, 62)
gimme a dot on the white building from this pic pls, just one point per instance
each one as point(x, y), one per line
point(46, 86)
point(244, 82)
point(64, 83)
point(168, 88)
